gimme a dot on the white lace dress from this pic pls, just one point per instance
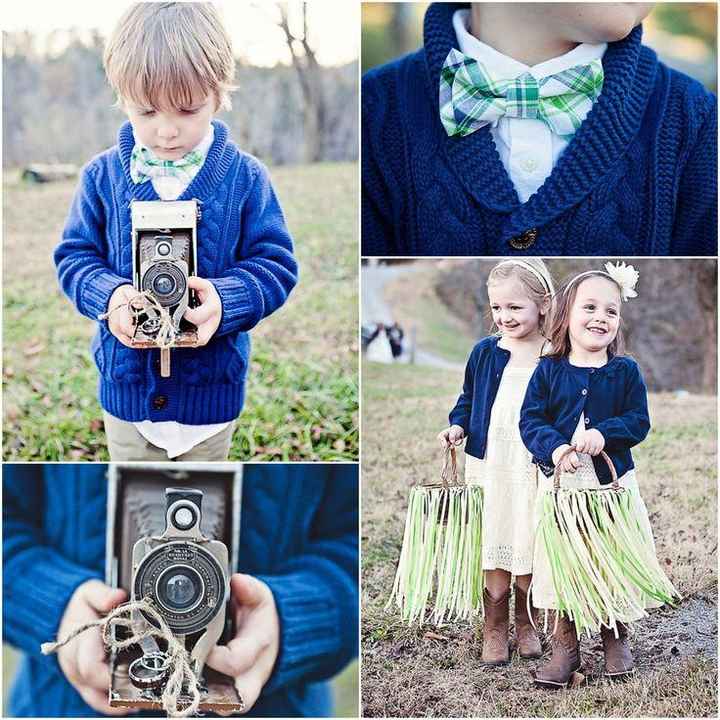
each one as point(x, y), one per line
point(508, 478)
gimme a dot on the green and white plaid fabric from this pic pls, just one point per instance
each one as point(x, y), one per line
point(470, 97)
point(144, 165)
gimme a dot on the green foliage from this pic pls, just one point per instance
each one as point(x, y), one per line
point(301, 399)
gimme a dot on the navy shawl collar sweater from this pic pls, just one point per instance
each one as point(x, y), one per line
point(639, 178)
point(244, 248)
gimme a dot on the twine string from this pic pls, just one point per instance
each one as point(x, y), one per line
point(142, 303)
point(181, 671)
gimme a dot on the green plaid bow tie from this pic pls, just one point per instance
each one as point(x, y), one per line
point(470, 97)
point(144, 165)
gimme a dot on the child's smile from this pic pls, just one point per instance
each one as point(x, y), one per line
point(515, 314)
point(595, 315)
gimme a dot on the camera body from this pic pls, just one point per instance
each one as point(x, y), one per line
point(185, 575)
point(164, 251)
point(172, 539)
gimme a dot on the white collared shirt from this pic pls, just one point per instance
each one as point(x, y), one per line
point(527, 147)
point(174, 437)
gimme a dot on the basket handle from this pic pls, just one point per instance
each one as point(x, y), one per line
point(613, 473)
point(449, 466)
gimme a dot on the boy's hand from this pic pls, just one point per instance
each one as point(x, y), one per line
point(120, 321)
point(451, 436)
point(570, 463)
point(83, 659)
point(591, 442)
point(250, 656)
point(208, 314)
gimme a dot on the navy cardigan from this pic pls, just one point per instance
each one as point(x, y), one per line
point(638, 178)
point(613, 398)
point(244, 249)
point(483, 373)
point(299, 535)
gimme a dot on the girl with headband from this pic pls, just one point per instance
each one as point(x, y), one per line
point(487, 414)
point(586, 397)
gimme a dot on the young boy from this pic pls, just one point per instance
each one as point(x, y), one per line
point(171, 65)
point(537, 128)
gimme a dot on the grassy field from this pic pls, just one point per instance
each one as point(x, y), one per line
point(407, 673)
point(302, 387)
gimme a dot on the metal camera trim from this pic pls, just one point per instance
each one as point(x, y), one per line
point(148, 565)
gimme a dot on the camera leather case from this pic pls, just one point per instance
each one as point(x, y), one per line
point(173, 537)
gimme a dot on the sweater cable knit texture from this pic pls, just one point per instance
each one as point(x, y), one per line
point(244, 248)
point(639, 177)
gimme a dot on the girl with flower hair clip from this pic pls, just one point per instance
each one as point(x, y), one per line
point(486, 414)
point(585, 407)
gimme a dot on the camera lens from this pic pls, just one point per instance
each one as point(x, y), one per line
point(163, 249)
point(164, 285)
point(183, 518)
point(179, 588)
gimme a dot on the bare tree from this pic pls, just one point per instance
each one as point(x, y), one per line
point(310, 77)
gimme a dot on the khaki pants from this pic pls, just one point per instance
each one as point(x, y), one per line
point(126, 443)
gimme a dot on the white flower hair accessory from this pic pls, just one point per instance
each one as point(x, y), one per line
point(626, 276)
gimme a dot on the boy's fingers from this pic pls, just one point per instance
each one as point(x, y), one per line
point(101, 597)
point(92, 670)
point(98, 700)
point(247, 590)
point(200, 314)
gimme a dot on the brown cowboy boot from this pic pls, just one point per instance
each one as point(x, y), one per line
point(528, 642)
point(565, 660)
point(619, 661)
point(495, 650)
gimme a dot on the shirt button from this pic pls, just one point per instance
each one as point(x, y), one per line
point(525, 240)
point(584, 391)
point(587, 421)
point(530, 165)
point(159, 402)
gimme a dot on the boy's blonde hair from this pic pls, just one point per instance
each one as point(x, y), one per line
point(167, 53)
point(535, 278)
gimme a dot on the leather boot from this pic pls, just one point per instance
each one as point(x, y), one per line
point(495, 650)
point(565, 659)
point(528, 642)
point(618, 658)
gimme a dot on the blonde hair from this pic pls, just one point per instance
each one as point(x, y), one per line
point(169, 53)
point(534, 276)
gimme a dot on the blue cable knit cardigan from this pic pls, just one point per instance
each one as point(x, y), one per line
point(244, 248)
point(299, 535)
point(639, 178)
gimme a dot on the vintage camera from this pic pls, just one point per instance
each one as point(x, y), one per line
point(171, 535)
point(164, 248)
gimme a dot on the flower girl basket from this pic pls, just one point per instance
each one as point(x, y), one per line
point(600, 552)
point(439, 575)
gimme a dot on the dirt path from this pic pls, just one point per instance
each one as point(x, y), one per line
point(374, 278)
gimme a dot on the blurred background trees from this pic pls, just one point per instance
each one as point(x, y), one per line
point(683, 34)
point(442, 305)
point(57, 106)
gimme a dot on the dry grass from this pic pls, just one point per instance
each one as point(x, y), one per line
point(407, 674)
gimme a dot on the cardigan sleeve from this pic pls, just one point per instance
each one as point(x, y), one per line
point(38, 581)
point(541, 438)
point(695, 229)
point(265, 272)
point(633, 424)
point(81, 257)
point(316, 592)
point(460, 414)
